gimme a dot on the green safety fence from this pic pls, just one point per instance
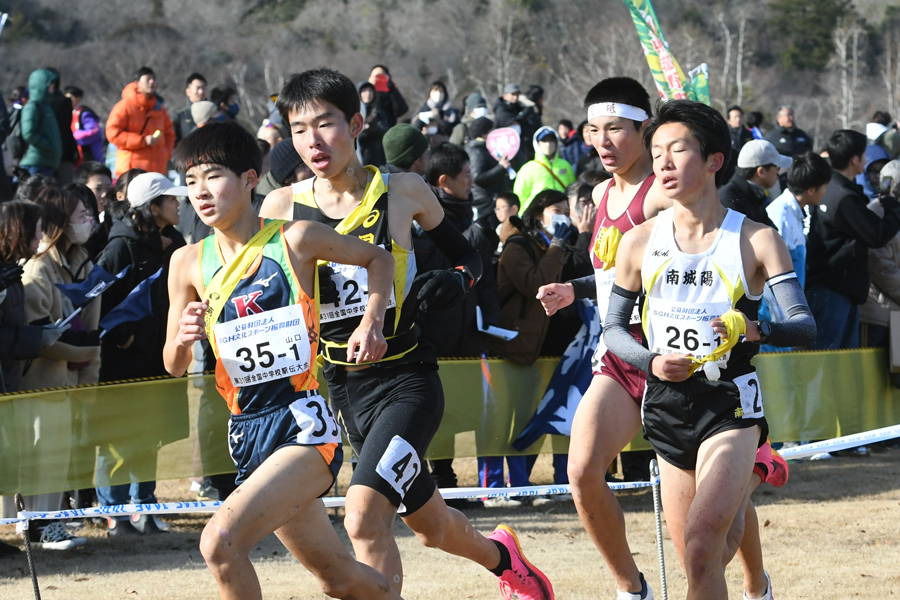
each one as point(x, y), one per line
point(176, 428)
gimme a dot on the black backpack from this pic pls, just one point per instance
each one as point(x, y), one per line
point(15, 143)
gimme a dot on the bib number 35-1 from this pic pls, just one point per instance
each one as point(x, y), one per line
point(751, 396)
point(399, 465)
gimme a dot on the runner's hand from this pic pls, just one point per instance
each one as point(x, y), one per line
point(191, 325)
point(671, 367)
point(752, 327)
point(441, 289)
point(555, 296)
point(367, 343)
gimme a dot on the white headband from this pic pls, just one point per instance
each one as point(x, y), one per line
point(614, 109)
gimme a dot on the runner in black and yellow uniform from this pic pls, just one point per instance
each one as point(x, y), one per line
point(257, 282)
point(391, 407)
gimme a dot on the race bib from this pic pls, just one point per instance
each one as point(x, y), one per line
point(316, 421)
point(399, 465)
point(353, 286)
point(684, 328)
point(751, 396)
point(265, 347)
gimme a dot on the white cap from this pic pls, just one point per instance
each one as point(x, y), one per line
point(147, 186)
point(757, 153)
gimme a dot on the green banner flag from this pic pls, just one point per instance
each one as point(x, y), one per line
point(669, 78)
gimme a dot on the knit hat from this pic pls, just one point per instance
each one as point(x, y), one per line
point(474, 100)
point(283, 159)
point(480, 127)
point(203, 111)
point(403, 144)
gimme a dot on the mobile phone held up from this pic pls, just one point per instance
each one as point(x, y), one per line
point(381, 83)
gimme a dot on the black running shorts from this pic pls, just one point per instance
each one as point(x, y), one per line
point(678, 417)
point(390, 414)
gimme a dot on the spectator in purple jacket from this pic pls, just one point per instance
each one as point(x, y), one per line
point(85, 127)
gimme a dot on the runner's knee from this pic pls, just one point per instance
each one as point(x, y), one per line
point(217, 547)
point(699, 557)
point(361, 525)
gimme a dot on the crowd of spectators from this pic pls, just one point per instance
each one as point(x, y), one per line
point(79, 191)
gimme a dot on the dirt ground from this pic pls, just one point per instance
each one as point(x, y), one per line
point(832, 533)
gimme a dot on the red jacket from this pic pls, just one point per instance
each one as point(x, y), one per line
point(132, 119)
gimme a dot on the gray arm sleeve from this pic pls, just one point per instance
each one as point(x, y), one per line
point(585, 287)
point(800, 327)
point(615, 330)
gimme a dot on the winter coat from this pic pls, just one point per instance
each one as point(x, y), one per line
point(489, 178)
point(574, 149)
point(789, 142)
point(38, 123)
point(75, 358)
point(453, 332)
point(841, 232)
point(448, 116)
point(746, 198)
point(62, 110)
point(18, 340)
point(526, 263)
point(884, 275)
point(391, 105)
point(145, 254)
point(506, 113)
point(542, 173)
point(460, 134)
point(564, 325)
point(132, 119)
point(86, 130)
point(183, 123)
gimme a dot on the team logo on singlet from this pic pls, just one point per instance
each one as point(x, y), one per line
point(690, 277)
point(246, 305)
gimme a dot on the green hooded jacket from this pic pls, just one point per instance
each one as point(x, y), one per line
point(39, 129)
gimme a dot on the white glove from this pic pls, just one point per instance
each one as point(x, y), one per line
point(50, 334)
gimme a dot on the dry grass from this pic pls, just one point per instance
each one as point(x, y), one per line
point(832, 533)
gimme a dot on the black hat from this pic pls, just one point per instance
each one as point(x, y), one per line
point(480, 127)
point(283, 160)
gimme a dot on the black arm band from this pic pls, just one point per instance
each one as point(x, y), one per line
point(615, 330)
point(800, 327)
point(458, 251)
point(585, 287)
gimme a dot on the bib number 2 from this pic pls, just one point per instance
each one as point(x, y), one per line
point(399, 465)
point(751, 396)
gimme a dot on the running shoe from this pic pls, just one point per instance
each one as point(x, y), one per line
point(645, 594)
point(768, 595)
point(56, 537)
point(523, 581)
point(770, 466)
point(501, 502)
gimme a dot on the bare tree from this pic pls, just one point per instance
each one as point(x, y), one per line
point(739, 66)
point(726, 32)
point(846, 40)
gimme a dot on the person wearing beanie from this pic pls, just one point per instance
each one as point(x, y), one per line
point(476, 108)
point(405, 148)
point(285, 167)
point(203, 112)
point(490, 175)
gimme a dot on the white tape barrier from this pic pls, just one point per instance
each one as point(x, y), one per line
point(797, 452)
point(164, 508)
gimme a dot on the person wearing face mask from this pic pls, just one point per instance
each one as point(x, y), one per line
point(437, 111)
point(547, 171)
point(144, 240)
point(74, 359)
point(476, 108)
point(226, 100)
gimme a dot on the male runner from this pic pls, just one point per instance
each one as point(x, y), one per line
point(702, 269)
point(257, 283)
point(608, 416)
point(391, 407)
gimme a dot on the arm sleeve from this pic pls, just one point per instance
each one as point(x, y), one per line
point(456, 248)
point(615, 331)
point(585, 287)
point(800, 327)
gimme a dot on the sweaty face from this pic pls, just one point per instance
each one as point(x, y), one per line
point(618, 142)
point(323, 138)
point(678, 164)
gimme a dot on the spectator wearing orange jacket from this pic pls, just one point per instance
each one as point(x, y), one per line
point(140, 127)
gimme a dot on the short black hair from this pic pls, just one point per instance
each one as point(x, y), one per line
point(143, 71)
point(734, 107)
point(447, 159)
point(622, 90)
point(843, 145)
point(534, 93)
point(382, 67)
point(882, 117)
point(318, 85)
point(510, 198)
point(754, 119)
point(594, 177)
point(748, 172)
point(264, 146)
point(74, 91)
point(31, 186)
point(88, 169)
point(705, 123)
point(536, 208)
point(221, 95)
point(192, 78)
point(225, 144)
point(565, 123)
point(86, 195)
point(808, 171)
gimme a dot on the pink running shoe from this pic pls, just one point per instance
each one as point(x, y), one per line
point(770, 467)
point(523, 581)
